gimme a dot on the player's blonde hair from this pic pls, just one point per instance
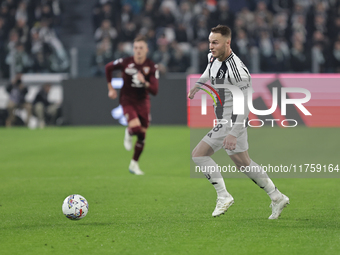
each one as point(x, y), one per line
point(223, 30)
point(140, 38)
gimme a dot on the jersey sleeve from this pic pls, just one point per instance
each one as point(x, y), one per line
point(111, 66)
point(238, 73)
point(153, 80)
point(241, 78)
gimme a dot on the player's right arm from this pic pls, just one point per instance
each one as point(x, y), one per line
point(109, 68)
point(112, 92)
point(203, 79)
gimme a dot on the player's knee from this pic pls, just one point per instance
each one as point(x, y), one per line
point(197, 153)
point(202, 151)
point(194, 153)
point(135, 130)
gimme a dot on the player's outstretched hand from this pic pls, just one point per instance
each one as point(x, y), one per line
point(140, 77)
point(229, 142)
point(112, 93)
point(193, 91)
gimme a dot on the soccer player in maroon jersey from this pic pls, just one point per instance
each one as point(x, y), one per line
point(140, 76)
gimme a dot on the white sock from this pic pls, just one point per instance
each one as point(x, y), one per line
point(207, 166)
point(262, 179)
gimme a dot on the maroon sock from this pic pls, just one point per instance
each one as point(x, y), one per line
point(139, 146)
point(138, 150)
point(135, 130)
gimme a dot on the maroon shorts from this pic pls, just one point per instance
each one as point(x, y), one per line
point(140, 111)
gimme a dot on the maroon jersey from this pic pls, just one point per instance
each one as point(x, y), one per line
point(133, 91)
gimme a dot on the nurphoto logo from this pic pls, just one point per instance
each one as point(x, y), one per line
point(238, 103)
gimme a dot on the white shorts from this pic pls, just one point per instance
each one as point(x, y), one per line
point(216, 136)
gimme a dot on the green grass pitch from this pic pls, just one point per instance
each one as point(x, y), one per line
point(165, 211)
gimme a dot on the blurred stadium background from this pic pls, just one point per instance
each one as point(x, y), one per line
point(65, 43)
point(290, 43)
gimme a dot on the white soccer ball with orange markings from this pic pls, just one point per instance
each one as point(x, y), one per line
point(75, 207)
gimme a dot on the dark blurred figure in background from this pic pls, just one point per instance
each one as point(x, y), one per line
point(21, 59)
point(179, 61)
point(105, 30)
point(241, 46)
point(17, 92)
point(45, 111)
point(299, 58)
point(279, 61)
point(335, 58)
point(103, 54)
point(203, 50)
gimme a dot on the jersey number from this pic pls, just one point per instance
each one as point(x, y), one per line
point(217, 127)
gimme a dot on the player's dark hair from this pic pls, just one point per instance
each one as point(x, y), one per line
point(140, 38)
point(223, 30)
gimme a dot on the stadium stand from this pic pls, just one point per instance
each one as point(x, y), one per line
point(29, 37)
point(269, 36)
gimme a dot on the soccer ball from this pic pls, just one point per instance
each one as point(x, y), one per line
point(75, 207)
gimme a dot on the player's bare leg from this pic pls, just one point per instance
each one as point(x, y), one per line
point(135, 128)
point(201, 156)
point(134, 125)
point(256, 173)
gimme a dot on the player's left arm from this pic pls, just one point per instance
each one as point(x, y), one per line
point(240, 122)
point(152, 84)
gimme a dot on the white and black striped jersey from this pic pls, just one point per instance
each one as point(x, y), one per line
point(231, 71)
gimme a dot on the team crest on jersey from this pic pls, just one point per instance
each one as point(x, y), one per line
point(220, 76)
point(146, 70)
point(131, 65)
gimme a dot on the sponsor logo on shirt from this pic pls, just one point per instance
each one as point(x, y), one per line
point(146, 70)
point(130, 71)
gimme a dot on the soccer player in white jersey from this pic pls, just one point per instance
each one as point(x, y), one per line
point(224, 67)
